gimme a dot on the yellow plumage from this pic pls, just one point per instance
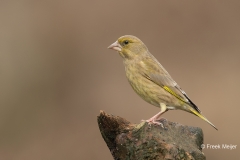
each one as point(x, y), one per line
point(150, 80)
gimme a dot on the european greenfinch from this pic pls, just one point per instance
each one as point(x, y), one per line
point(151, 81)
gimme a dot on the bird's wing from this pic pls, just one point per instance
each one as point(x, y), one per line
point(155, 72)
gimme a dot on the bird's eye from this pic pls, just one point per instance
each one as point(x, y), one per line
point(126, 42)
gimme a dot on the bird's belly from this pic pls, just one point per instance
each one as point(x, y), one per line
point(149, 91)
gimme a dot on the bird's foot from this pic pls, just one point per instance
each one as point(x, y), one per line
point(153, 122)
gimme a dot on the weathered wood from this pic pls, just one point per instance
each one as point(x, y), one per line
point(170, 141)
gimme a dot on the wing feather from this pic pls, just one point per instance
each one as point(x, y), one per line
point(155, 72)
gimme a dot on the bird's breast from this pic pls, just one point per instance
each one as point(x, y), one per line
point(148, 90)
point(142, 86)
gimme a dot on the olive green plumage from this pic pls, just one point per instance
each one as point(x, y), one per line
point(150, 80)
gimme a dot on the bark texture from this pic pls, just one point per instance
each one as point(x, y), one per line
point(171, 141)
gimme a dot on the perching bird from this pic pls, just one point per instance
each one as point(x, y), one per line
point(151, 81)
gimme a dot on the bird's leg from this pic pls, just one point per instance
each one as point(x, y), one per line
point(154, 119)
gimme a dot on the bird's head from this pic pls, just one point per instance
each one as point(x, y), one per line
point(129, 47)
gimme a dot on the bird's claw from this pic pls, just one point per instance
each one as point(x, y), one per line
point(152, 122)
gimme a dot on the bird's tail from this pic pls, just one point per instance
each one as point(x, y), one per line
point(202, 117)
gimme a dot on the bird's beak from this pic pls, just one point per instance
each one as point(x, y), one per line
point(115, 46)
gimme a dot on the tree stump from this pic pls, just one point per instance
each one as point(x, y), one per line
point(171, 141)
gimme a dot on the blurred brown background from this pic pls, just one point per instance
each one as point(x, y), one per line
point(56, 72)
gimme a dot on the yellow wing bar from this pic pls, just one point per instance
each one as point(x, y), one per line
point(174, 94)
